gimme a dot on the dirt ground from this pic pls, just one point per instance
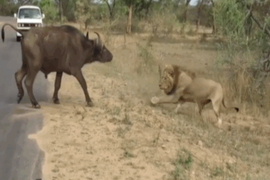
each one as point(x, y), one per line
point(123, 137)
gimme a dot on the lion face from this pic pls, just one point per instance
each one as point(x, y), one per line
point(166, 81)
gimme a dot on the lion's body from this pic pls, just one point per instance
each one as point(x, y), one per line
point(201, 89)
point(183, 86)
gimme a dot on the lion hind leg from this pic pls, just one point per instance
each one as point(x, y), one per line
point(201, 105)
point(216, 108)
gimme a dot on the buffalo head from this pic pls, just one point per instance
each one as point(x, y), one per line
point(101, 53)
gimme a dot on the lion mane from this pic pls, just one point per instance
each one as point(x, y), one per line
point(170, 75)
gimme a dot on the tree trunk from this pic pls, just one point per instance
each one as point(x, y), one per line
point(61, 11)
point(185, 11)
point(199, 15)
point(129, 20)
point(111, 17)
point(213, 19)
point(111, 9)
point(214, 28)
point(147, 8)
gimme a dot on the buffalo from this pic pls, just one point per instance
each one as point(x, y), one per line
point(62, 49)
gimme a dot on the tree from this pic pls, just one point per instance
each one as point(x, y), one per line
point(142, 7)
point(199, 7)
point(129, 4)
point(82, 11)
point(24, 2)
point(213, 19)
point(49, 8)
point(130, 8)
point(66, 9)
point(185, 11)
point(110, 8)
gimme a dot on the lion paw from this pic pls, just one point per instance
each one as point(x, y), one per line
point(219, 123)
point(177, 108)
point(154, 100)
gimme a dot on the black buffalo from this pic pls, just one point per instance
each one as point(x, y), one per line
point(56, 49)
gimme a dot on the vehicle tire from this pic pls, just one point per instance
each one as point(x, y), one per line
point(18, 38)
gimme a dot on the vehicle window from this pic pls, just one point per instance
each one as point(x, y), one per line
point(29, 14)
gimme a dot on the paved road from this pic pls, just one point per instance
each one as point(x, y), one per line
point(20, 157)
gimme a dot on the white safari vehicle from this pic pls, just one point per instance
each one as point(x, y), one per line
point(27, 17)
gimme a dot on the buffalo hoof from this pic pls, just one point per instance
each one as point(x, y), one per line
point(56, 101)
point(19, 98)
point(89, 104)
point(37, 106)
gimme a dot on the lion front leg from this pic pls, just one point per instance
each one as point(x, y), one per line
point(179, 105)
point(173, 98)
point(164, 99)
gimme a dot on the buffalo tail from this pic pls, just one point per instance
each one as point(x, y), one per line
point(3, 32)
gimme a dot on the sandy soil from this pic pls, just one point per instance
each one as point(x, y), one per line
point(123, 137)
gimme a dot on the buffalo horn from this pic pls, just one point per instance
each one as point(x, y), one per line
point(99, 40)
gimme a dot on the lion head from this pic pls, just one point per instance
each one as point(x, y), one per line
point(168, 76)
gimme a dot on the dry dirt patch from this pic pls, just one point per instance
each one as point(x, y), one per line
point(123, 137)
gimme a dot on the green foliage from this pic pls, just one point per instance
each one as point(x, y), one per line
point(216, 172)
point(69, 8)
point(183, 162)
point(7, 9)
point(130, 2)
point(82, 11)
point(246, 78)
point(87, 13)
point(229, 18)
point(48, 7)
point(121, 9)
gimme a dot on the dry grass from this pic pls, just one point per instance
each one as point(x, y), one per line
point(124, 137)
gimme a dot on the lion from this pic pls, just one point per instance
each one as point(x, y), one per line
point(181, 85)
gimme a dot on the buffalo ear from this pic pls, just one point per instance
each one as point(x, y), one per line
point(87, 35)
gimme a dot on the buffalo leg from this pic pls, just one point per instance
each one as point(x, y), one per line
point(19, 75)
point(31, 75)
point(80, 78)
point(57, 85)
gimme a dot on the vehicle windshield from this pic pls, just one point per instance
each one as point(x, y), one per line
point(29, 14)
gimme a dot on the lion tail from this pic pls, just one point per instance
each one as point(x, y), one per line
point(223, 102)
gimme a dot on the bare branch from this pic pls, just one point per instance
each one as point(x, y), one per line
point(265, 30)
point(107, 2)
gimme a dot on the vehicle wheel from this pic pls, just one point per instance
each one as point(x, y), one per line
point(18, 38)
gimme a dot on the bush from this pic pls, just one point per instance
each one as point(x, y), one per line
point(7, 9)
point(49, 9)
point(245, 78)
